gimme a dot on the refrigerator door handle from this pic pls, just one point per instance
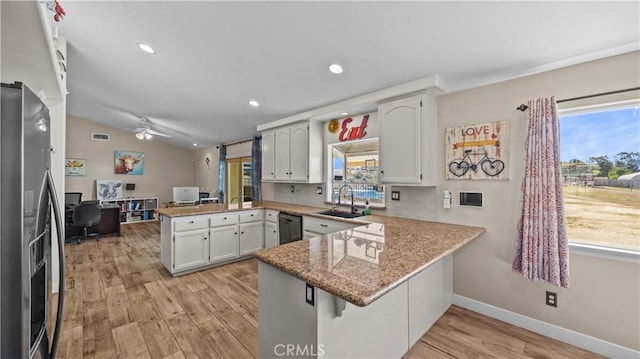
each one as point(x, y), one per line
point(51, 188)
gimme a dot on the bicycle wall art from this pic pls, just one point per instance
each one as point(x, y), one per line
point(479, 151)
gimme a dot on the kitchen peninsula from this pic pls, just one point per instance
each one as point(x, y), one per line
point(369, 291)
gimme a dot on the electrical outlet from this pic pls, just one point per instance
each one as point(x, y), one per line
point(395, 195)
point(552, 299)
point(309, 294)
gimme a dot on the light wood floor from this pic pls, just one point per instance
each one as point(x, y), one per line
point(122, 303)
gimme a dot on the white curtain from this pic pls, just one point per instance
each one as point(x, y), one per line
point(541, 249)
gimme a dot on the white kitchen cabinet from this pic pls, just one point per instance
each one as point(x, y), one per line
point(283, 153)
point(251, 237)
point(408, 131)
point(297, 153)
point(224, 243)
point(268, 155)
point(271, 238)
point(190, 249)
point(225, 236)
point(271, 233)
point(299, 158)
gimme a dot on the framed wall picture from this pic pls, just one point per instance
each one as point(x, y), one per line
point(478, 151)
point(75, 167)
point(108, 190)
point(128, 163)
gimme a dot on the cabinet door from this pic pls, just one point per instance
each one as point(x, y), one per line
point(251, 237)
point(268, 156)
point(400, 130)
point(224, 243)
point(298, 168)
point(282, 148)
point(190, 249)
point(271, 237)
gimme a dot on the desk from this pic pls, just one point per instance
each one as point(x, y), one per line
point(109, 224)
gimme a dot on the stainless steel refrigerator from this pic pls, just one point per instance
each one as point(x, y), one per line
point(28, 207)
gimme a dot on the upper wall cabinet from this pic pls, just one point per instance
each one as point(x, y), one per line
point(268, 155)
point(408, 131)
point(295, 155)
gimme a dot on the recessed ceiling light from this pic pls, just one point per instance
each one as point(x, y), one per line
point(336, 69)
point(254, 103)
point(344, 113)
point(195, 145)
point(146, 48)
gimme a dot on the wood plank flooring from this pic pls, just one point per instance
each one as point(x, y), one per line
point(121, 303)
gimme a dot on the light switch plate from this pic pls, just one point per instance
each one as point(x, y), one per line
point(395, 195)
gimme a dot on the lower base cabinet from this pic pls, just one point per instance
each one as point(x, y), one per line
point(251, 237)
point(190, 249)
point(196, 242)
point(271, 238)
point(224, 243)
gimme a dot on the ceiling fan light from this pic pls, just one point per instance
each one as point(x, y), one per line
point(147, 135)
point(140, 135)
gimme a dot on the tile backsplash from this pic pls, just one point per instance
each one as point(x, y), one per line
point(415, 202)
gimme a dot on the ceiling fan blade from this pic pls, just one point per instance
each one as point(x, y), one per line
point(156, 133)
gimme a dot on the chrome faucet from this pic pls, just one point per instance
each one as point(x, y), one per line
point(353, 210)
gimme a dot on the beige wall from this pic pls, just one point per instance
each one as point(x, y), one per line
point(165, 166)
point(603, 298)
point(206, 177)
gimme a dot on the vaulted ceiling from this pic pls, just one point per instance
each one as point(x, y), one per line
point(213, 57)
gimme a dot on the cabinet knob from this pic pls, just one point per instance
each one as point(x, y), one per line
point(235, 232)
point(225, 218)
point(242, 232)
point(204, 239)
point(382, 172)
point(251, 214)
point(190, 222)
point(271, 172)
point(324, 225)
point(274, 231)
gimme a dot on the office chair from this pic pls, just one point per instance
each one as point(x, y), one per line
point(86, 215)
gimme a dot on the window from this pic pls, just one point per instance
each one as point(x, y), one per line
point(600, 154)
point(355, 164)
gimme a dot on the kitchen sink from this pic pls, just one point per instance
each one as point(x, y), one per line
point(341, 214)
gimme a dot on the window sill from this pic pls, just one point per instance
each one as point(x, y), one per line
point(604, 252)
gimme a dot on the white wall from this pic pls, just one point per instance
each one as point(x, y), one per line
point(165, 165)
point(206, 176)
point(604, 296)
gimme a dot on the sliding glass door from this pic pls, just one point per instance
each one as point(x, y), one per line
point(239, 180)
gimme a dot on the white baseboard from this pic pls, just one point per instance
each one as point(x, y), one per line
point(580, 340)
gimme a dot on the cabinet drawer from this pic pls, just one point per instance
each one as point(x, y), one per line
point(271, 215)
point(223, 219)
point(190, 224)
point(323, 226)
point(251, 216)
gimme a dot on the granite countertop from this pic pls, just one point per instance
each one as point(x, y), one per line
point(278, 206)
point(360, 265)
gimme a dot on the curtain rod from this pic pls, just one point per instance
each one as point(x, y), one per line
point(523, 107)
point(241, 141)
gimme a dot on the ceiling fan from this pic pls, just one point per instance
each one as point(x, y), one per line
point(144, 132)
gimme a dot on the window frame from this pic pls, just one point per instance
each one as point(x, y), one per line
point(594, 105)
point(329, 175)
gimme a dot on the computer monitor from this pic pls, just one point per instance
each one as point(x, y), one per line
point(186, 194)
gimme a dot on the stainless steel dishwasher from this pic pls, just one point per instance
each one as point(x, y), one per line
point(290, 227)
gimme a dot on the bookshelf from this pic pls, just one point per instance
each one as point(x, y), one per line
point(137, 209)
